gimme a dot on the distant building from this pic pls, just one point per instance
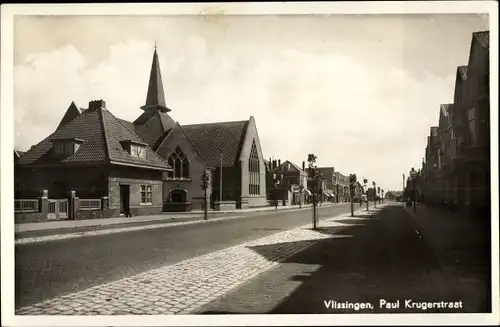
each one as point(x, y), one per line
point(456, 171)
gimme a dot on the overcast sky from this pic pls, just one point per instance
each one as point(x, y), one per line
point(360, 92)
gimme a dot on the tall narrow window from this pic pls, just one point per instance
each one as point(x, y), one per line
point(180, 165)
point(146, 194)
point(254, 171)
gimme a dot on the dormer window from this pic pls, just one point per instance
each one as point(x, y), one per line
point(135, 149)
point(65, 147)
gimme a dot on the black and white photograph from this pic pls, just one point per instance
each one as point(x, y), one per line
point(250, 163)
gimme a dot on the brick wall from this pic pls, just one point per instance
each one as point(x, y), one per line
point(135, 178)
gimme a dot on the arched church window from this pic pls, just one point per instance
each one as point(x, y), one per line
point(254, 171)
point(179, 163)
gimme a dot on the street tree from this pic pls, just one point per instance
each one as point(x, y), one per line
point(205, 184)
point(382, 196)
point(352, 184)
point(314, 175)
point(378, 194)
point(365, 183)
point(374, 193)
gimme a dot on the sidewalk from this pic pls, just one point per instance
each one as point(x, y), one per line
point(73, 229)
point(177, 216)
point(461, 245)
point(378, 257)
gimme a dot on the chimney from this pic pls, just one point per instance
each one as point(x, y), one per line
point(97, 104)
point(274, 165)
point(303, 165)
point(279, 162)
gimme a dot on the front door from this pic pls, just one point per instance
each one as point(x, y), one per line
point(125, 199)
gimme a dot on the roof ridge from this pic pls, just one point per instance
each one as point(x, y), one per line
point(137, 136)
point(215, 123)
point(242, 140)
point(105, 134)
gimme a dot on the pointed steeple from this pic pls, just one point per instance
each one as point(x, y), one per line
point(155, 98)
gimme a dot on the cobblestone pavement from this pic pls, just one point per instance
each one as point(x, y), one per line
point(183, 287)
point(48, 269)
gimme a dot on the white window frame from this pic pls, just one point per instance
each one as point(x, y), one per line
point(146, 194)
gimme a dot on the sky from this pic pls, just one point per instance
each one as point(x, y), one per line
point(359, 91)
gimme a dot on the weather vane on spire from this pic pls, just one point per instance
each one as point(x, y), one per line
point(155, 44)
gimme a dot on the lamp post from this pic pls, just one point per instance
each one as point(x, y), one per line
point(413, 175)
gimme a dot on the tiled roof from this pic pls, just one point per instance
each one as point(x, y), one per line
point(72, 112)
point(215, 138)
point(483, 38)
point(101, 133)
point(280, 168)
point(128, 124)
point(117, 132)
point(462, 70)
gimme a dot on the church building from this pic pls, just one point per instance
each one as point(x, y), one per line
point(153, 162)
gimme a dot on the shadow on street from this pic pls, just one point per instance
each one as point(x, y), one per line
point(379, 257)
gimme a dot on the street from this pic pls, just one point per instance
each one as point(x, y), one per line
point(45, 270)
point(267, 263)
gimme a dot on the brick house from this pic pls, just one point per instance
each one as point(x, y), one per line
point(328, 174)
point(290, 177)
point(95, 155)
point(176, 156)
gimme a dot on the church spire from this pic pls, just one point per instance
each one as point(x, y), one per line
point(156, 96)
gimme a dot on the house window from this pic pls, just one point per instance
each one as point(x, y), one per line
point(254, 171)
point(146, 194)
point(472, 125)
point(65, 148)
point(138, 151)
point(180, 165)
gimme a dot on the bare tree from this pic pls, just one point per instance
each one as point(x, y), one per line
point(205, 184)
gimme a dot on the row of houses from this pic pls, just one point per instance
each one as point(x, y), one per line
point(97, 165)
point(288, 183)
point(456, 169)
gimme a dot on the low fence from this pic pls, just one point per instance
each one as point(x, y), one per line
point(71, 208)
point(26, 205)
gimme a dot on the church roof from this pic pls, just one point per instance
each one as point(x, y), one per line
point(152, 126)
point(215, 139)
point(101, 133)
